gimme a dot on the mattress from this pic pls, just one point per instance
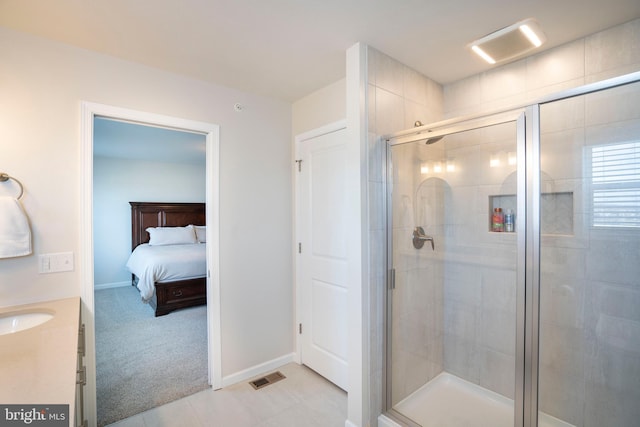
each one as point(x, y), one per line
point(166, 263)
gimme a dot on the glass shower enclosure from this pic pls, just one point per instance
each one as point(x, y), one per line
point(514, 266)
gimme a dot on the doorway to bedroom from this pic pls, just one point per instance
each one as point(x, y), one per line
point(139, 357)
point(143, 360)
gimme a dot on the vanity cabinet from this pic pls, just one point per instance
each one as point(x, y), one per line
point(81, 379)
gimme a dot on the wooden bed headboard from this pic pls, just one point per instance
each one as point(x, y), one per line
point(151, 214)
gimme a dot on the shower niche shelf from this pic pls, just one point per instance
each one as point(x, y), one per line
point(556, 211)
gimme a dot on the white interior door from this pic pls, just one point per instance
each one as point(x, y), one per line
point(322, 254)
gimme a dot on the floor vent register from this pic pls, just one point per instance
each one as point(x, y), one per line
point(266, 380)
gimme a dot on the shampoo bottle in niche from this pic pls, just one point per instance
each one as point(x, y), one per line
point(509, 221)
point(497, 220)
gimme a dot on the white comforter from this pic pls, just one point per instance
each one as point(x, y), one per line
point(165, 264)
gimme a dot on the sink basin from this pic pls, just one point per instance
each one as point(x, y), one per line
point(21, 320)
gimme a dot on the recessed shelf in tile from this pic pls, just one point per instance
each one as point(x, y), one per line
point(556, 211)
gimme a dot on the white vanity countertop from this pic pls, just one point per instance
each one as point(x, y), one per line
point(38, 365)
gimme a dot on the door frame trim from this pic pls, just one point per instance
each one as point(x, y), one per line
point(211, 132)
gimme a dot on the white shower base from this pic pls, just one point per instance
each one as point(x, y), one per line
point(449, 401)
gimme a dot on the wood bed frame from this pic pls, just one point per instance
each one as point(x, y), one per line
point(169, 296)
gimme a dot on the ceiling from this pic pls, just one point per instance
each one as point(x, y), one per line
point(133, 141)
point(289, 48)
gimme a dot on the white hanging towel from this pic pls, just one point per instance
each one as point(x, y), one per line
point(15, 233)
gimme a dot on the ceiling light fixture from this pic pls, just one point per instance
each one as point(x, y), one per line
point(509, 42)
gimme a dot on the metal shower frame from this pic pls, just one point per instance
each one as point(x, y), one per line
point(527, 119)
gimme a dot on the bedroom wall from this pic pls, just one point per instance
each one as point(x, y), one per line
point(42, 85)
point(116, 182)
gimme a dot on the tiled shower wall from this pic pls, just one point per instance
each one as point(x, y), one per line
point(603, 55)
point(398, 97)
point(588, 375)
point(394, 105)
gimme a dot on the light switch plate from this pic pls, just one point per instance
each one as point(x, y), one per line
point(53, 263)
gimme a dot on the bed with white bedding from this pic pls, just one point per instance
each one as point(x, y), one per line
point(168, 260)
point(166, 263)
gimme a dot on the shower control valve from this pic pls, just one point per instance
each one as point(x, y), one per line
point(419, 237)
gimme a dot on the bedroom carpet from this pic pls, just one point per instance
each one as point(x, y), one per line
point(144, 361)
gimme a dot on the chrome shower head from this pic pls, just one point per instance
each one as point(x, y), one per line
point(428, 141)
point(433, 140)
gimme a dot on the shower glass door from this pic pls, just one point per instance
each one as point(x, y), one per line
point(455, 307)
point(589, 363)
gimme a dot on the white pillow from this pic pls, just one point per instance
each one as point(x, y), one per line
point(201, 233)
point(159, 236)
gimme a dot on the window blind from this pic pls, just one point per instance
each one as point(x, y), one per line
point(615, 171)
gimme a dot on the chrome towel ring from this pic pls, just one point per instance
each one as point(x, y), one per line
point(5, 177)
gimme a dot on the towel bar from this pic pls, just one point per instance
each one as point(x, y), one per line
point(5, 177)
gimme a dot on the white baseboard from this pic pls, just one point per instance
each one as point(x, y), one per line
point(111, 285)
point(348, 423)
point(257, 370)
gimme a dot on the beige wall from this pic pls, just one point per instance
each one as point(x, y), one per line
point(42, 85)
point(327, 105)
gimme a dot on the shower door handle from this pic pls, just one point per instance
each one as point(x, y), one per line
point(419, 237)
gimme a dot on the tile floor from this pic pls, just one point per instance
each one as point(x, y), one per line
point(303, 398)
